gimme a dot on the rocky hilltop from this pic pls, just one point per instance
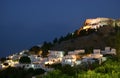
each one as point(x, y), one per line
point(96, 23)
point(95, 33)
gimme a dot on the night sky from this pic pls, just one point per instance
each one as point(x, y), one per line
point(25, 23)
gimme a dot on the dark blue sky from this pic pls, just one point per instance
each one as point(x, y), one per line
point(25, 23)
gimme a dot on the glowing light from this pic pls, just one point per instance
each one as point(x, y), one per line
point(87, 27)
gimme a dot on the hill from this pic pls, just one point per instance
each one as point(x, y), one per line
point(96, 33)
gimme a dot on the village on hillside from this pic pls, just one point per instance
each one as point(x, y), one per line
point(73, 58)
point(45, 60)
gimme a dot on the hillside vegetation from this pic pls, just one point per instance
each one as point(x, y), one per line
point(106, 35)
point(91, 39)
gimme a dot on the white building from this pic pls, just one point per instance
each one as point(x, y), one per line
point(88, 60)
point(71, 53)
point(54, 57)
point(23, 52)
point(35, 58)
point(69, 59)
point(96, 51)
point(78, 62)
point(91, 57)
point(56, 53)
point(37, 66)
point(79, 51)
point(15, 57)
point(109, 51)
point(26, 66)
point(76, 52)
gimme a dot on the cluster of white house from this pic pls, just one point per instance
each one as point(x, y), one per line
point(75, 57)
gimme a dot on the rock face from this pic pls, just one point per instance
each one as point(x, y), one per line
point(96, 23)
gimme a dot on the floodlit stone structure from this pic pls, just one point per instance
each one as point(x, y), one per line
point(97, 23)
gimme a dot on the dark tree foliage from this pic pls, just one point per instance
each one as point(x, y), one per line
point(30, 70)
point(24, 60)
point(56, 66)
point(61, 39)
point(75, 34)
point(12, 72)
point(3, 59)
point(38, 71)
point(67, 69)
point(6, 64)
point(46, 46)
point(68, 36)
point(82, 33)
point(91, 31)
point(117, 41)
point(89, 50)
point(55, 40)
point(35, 49)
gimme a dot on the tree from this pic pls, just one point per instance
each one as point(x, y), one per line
point(67, 69)
point(117, 42)
point(24, 60)
point(55, 40)
point(82, 33)
point(12, 72)
point(3, 59)
point(61, 39)
point(6, 64)
point(75, 34)
point(38, 71)
point(36, 50)
point(68, 36)
point(56, 66)
point(45, 47)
